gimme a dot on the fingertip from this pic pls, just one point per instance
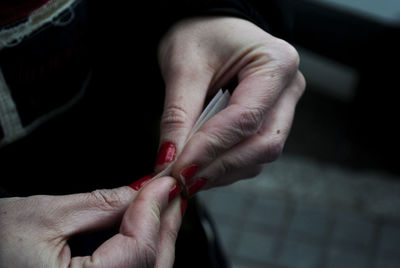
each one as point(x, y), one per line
point(188, 173)
point(160, 185)
point(165, 156)
point(195, 186)
point(148, 206)
point(137, 185)
point(174, 192)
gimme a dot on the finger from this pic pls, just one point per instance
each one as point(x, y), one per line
point(254, 97)
point(263, 147)
point(186, 88)
point(142, 219)
point(170, 224)
point(136, 244)
point(81, 212)
point(91, 211)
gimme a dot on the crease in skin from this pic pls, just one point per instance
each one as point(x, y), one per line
point(255, 54)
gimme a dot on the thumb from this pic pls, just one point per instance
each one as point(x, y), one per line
point(95, 210)
point(185, 95)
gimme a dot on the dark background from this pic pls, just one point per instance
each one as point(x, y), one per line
point(349, 55)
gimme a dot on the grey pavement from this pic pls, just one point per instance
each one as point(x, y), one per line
point(301, 213)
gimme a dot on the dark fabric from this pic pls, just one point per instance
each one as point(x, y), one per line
point(48, 69)
point(13, 10)
point(176, 10)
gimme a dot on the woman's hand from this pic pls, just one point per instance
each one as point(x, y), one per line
point(197, 57)
point(34, 230)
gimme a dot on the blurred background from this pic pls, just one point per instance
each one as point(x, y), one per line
point(333, 198)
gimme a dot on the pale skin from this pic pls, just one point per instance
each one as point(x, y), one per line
point(197, 57)
point(34, 230)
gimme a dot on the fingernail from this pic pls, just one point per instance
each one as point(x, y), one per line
point(183, 206)
point(166, 153)
point(188, 173)
point(196, 186)
point(141, 182)
point(176, 190)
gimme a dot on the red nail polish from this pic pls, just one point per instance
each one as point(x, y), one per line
point(188, 173)
point(166, 153)
point(183, 206)
point(140, 183)
point(176, 190)
point(196, 186)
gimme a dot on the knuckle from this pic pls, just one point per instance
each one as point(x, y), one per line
point(214, 144)
point(225, 166)
point(105, 199)
point(289, 57)
point(249, 121)
point(272, 151)
point(174, 116)
point(246, 123)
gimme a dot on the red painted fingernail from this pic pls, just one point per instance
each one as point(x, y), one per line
point(140, 183)
point(176, 190)
point(196, 186)
point(166, 153)
point(183, 205)
point(188, 173)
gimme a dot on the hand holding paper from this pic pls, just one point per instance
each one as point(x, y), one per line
point(197, 57)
